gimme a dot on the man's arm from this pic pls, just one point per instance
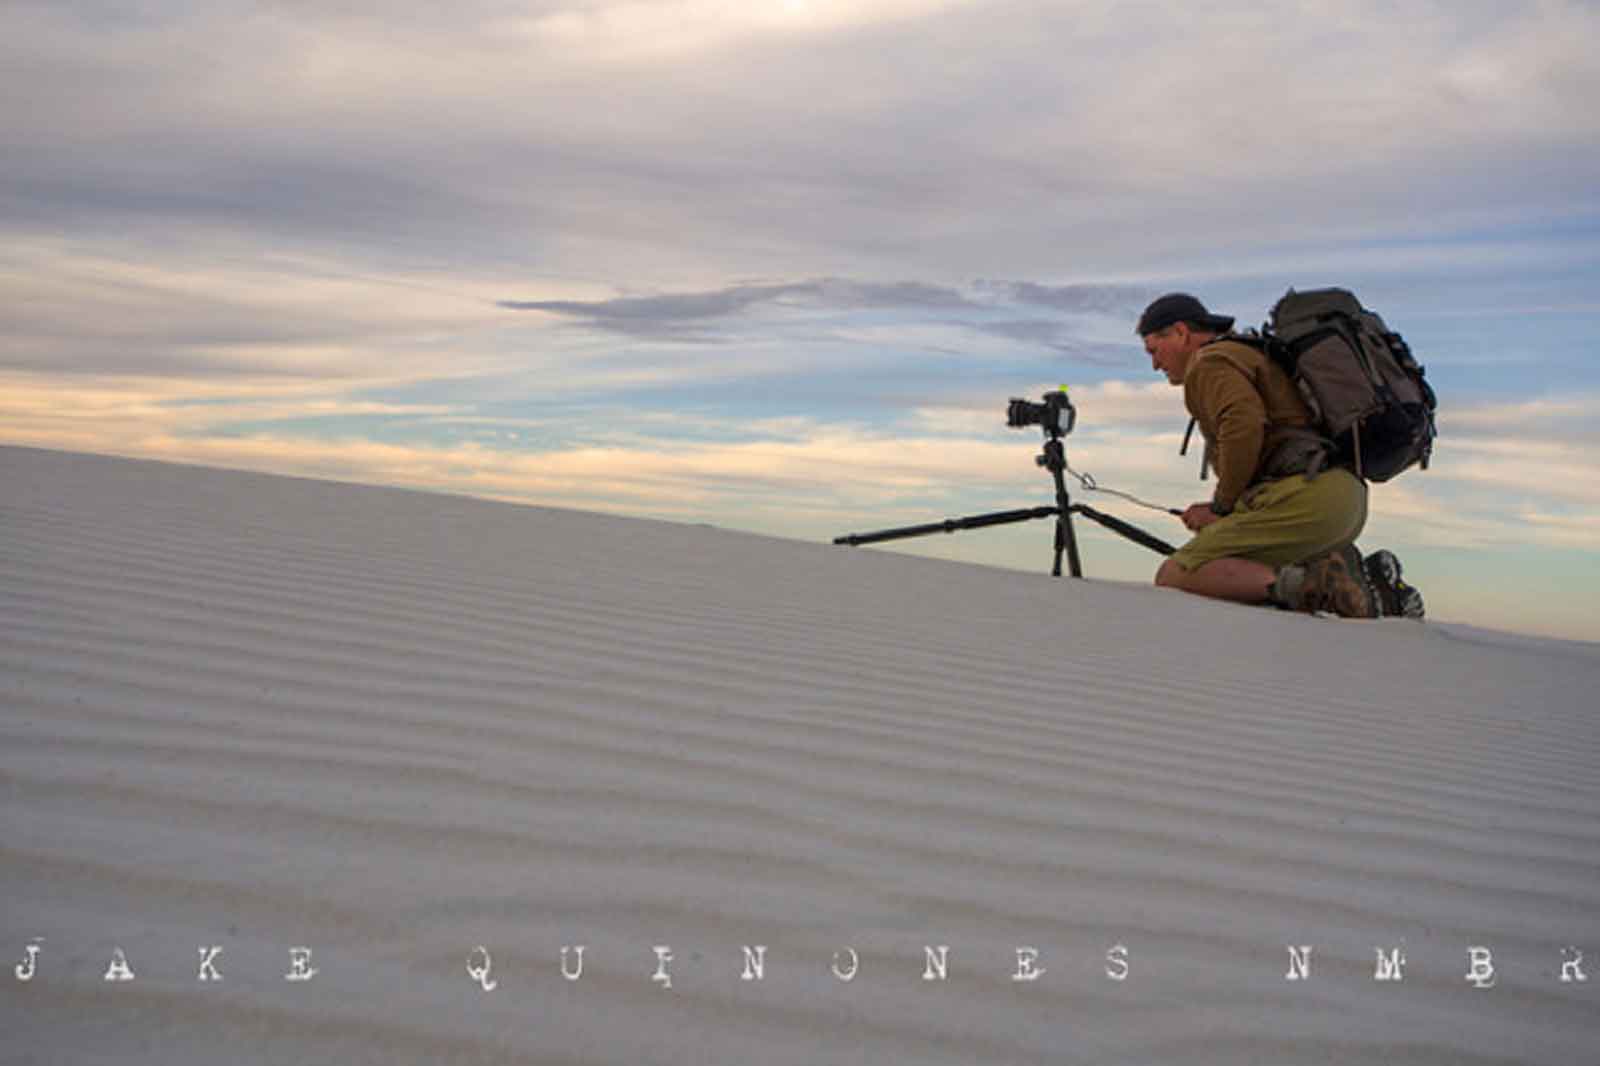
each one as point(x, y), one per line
point(1222, 397)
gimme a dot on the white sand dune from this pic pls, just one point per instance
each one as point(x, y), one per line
point(265, 713)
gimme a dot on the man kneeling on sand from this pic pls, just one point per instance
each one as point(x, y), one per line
point(1282, 524)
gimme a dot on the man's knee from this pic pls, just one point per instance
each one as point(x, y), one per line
point(1170, 575)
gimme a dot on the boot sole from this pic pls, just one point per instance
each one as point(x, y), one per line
point(1384, 571)
point(1383, 567)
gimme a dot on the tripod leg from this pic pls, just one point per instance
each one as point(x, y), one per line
point(1054, 459)
point(1125, 529)
point(1072, 550)
point(1066, 537)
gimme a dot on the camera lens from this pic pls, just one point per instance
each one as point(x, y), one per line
point(1022, 413)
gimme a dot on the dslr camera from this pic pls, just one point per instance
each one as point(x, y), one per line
point(1024, 413)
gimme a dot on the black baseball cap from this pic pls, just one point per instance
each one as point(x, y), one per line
point(1177, 307)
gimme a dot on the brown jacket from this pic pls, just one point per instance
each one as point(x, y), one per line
point(1255, 424)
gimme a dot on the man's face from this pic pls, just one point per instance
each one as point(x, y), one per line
point(1169, 351)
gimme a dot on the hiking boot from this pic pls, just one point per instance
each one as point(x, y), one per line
point(1336, 581)
point(1396, 599)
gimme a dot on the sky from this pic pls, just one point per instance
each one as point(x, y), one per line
point(778, 266)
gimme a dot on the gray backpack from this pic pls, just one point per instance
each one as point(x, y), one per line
point(1366, 392)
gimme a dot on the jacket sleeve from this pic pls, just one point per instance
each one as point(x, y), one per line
point(1234, 417)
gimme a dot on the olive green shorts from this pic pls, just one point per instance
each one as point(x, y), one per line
point(1284, 521)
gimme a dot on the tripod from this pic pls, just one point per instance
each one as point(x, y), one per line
point(1054, 460)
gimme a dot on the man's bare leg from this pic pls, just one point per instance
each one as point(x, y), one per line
point(1239, 580)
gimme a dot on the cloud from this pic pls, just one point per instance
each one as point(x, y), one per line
point(1060, 337)
point(1517, 469)
point(663, 317)
point(673, 316)
point(718, 316)
point(935, 140)
point(194, 311)
point(1120, 300)
point(1572, 415)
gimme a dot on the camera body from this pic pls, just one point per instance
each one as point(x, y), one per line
point(1023, 413)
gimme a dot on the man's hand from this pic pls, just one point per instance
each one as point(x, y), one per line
point(1198, 516)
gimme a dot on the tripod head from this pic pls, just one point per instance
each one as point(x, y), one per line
point(1057, 416)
